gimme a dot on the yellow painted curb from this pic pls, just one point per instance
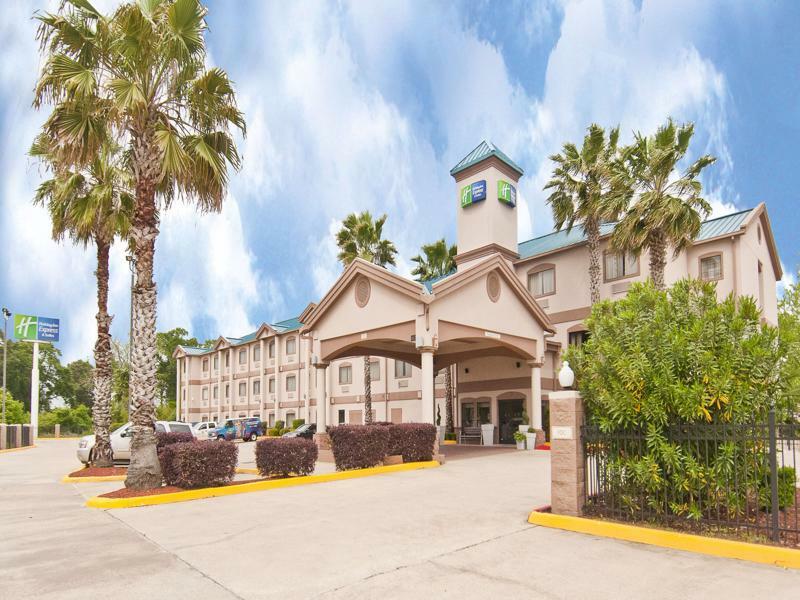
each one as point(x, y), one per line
point(247, 470)
point(17, 449)
point(760, 553)
point(92, 479)
point(256, 486)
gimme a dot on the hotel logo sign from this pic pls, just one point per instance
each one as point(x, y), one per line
point(36, 329)
point(475, 192)
point(506, 193)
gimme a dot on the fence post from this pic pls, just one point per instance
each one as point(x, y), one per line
point(773, 476)
point(567, 464)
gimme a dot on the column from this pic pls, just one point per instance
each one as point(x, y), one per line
point(278, 382)
point(567, 463)
point(35, 394)
point(221, 393)
point(427, 386)
point(322, 397)
point(262, 368)
point(178, 389)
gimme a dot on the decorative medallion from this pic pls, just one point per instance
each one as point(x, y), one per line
point(362, 291)
point(493, 286)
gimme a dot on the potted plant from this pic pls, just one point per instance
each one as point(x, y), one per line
point(519, 437)
point(450, 439)
point(530, 438)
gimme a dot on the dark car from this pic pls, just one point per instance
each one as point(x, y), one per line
point(304, 431)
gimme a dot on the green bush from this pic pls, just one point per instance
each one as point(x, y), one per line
point(656, 360)
point(273, 432)
point(787, 478)
point(76, 420)
point(297, 422)
point(279, 424)
point(284, 430)
point(15, 410)
point(450, 436)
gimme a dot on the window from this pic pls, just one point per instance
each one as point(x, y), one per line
point(272, 385)
point(184, 361)
point(227, 359)
point(160, 428)
point(341, 417)
point(345, 374)
point(242, 389)
point(205, 364)
point(291, 345)
point(578, 338)
point(617, 265)
point(227, 390)
point(205, 394)
point(242, 357)
point(401, 369)
point(375, 371)
point(291, 383)
point(711, 267)
point(256, 387)
point(180, 428)
point(216, 362)
point(272, 349)
point(216, 391)
point(542, 281)
point(256, 353)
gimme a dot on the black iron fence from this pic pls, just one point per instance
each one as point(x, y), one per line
point(738, 479)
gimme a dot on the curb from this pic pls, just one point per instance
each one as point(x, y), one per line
point(758, 553)
point(256, 486)
point(17, 449)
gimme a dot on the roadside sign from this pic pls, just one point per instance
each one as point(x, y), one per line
point(36, 329)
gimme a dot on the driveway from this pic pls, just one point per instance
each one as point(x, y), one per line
point(454, 532)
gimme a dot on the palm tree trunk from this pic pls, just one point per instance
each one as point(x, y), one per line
point(144, 470)
point(448, 395)
point(367, 392)
point(593, 237)
point(658, 259)
point(102, 455)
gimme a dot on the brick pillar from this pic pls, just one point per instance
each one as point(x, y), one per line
point(3, 435)
point(567, 465)
point(58, 430)
point(16, 433)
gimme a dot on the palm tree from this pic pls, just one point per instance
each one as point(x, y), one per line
point(362, 237)
point(438, 260)
point(139, 76)
point(435, 260)
point(588, 190)
point(667, 210)
point(91, 206)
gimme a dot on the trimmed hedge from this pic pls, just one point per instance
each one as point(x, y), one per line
point(358, 446)
point(282, 456)
point(199, 464)
point(167, 438)
point(297, 422)
point(414, 441)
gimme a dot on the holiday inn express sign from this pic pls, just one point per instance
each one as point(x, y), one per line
point(474, 192)
point(35, 329)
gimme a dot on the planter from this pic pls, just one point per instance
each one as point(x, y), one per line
point(449, 442)
point(530, 440)
point(521, 445)
point(523, 428)
point(487, 433)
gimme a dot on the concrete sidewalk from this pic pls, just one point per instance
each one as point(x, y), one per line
point(454, 532)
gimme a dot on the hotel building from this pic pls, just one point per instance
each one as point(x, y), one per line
point(499, 322)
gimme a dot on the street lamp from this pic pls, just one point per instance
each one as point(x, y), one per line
point(6, 315)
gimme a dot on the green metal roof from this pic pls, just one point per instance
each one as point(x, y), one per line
point(193, 351)
point(562, 239)
point(428, 283)
point(287, 325)
point(481, 152)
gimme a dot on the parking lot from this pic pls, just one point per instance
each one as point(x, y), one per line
point(454, 532)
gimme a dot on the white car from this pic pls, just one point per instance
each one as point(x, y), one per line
point(205, 430)
point(121, 440)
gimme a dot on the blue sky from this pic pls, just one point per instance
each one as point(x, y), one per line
point(367, 105)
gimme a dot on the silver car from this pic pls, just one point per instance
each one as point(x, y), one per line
point(121, 440)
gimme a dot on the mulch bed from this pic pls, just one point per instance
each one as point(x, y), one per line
point(99, 472)
point(166, 489)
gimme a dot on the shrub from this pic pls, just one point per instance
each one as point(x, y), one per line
point(358, 446)
point(450, 436)
point(273, 432)
point(786, 489)
point(282, 456)
point(282, 431)
point(297, 422)
point(167, 438)
point(414, 441)
point(279, 424)
point(199, 463)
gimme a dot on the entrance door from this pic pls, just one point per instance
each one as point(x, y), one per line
point(510, 413)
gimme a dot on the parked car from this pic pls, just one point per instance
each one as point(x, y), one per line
point(240, 429)
point(205, 430)
point(121, 440)
point(306, 430)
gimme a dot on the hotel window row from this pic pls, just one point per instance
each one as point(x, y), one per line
point(402, 370)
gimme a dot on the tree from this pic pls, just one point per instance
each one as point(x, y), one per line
point(789, 330)
point(15, 411)
point(587, 190)
point(91, 205)
point(80, 375)
point(166, 343)
point(362, 237)
point(437, 260)
point(53, 382)
point(139, 76)
point(667, 210)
